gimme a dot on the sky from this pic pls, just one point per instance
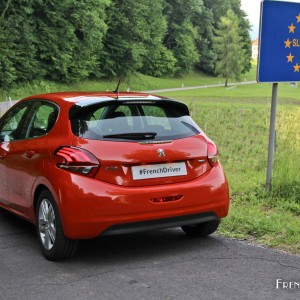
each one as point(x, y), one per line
point(252, 9)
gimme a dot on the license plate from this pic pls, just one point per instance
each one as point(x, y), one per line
point(159, 170)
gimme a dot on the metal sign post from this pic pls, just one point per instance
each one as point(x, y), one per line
point(279, 56)
point(272, 136)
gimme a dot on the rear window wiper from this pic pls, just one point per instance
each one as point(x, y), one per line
point(133, 136)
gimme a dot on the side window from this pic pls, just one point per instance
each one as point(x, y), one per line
point(42, 120)
point(12, 122)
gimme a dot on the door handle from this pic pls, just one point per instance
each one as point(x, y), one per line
point(29, 153)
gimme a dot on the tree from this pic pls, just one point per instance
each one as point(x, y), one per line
point(73, 40)
point(229, 48)
point(7, 70)
point(244, 30)
point(219, 8)
point(158, 61)
point(182, 34)
point(4, 7)
point(205, 28)
point(134, 40)
point(207, 25)
point(69, 37)
point(56, 40)
point(123, 45)
point(17, 51)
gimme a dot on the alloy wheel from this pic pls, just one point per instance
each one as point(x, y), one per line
point(47, 224)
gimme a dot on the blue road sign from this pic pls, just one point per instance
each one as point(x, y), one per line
point(279, 56)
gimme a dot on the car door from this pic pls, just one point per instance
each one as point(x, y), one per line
point(9, 127)
point(27, 153)
point(3, 178)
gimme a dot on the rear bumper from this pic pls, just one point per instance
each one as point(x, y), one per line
point(158, 224)
point(90, 208)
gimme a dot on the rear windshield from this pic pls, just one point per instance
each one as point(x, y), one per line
point(130, 122)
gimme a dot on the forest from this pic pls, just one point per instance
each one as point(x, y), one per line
point(73, 40)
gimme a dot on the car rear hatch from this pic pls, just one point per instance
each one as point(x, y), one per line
point(141, 142)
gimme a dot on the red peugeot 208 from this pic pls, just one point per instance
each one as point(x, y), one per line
point(83, 165)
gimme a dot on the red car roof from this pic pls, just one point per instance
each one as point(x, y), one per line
point(74, 97)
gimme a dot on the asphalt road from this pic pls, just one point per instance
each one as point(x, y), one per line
point(162, 265)
point(230, 85)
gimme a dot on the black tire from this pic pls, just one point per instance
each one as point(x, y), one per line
point(201, 229)
point(54, 244)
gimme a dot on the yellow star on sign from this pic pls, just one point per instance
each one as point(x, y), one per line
point(298, 19)
point(296, 68)
point(292, 28)
point(290, 58)
point(287, 43)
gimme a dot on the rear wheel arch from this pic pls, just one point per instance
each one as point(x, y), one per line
point(39, 189)
point(54, 244)
point(37, 193)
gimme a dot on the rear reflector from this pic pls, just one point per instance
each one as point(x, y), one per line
point(166, 199)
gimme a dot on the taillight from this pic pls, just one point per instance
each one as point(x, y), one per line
point(212, 153)
point(77, 160)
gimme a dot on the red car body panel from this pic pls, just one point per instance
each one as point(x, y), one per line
point(88, 206)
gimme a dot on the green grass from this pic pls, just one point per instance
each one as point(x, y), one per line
point(240, 127)
point(136, 83)
point(253, 218)
point(254, 93)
